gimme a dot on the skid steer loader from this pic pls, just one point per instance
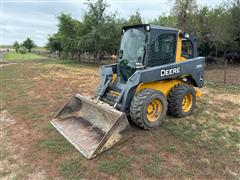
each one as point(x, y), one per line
point(157, 72)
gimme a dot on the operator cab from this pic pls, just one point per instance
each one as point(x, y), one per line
point(145, 46)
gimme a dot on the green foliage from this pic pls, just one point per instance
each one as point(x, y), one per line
point(13, 56)
point(139, 150)
point(3, 153)
point(171, 149)
point(216, 29)
point(56, 145)
point(72, 169)
point(99, 31)
point(183, 11)
point(169, 21)
point(54, 44)
point(28, 44)
point(118, 165)
point(135, 19)
point(234, 23)
point(103, 33)
point(16, 46)
point(154, 167)
point(22, 50)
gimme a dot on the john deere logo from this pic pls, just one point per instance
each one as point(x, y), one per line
point(167, 72)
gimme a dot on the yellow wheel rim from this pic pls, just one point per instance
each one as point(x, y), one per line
point(187, 102)
point(154, 110)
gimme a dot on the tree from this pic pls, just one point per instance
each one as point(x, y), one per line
point(219, 31)
point(163, 20)
point(98, 23)
point(201, 29)
point(234, 23)
point(28, 44)
point(54, 44)
point(67, 33)
point(99, 32)
point(16, 46)
point(183, 9)
point(135, 19)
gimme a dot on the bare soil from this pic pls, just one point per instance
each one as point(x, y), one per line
point(215, 73)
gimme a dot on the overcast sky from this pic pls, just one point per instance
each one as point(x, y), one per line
point(37, 18)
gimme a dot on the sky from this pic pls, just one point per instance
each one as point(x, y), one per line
point(37, 18)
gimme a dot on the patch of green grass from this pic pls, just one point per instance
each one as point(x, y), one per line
point(14, 178)
point(11, 160)
point(28, 111)
point(204, 130)
point(23, 109)
point(4, 173)
point(223, 140)
point(66, 64)
point(154, 167)
point(182, 130)
point(171, 149)
point(222, 87)
point(36, 116)
point(119, 165)
point(232, 175)
point(39, 49)
point(139, 150)
point(49, 128)
point(15, 81)
point(55, 145)
point(10, 72)
point(236, 121)
point(180, 172)
point(3, 153)
point(13, 56)
point(237, 161)
point(235, 136)
point(202, 163)
point(72, 169)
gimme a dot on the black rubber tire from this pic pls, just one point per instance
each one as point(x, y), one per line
point(139, 104)
point(175, 99)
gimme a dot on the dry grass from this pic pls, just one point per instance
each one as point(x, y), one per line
point(202, 146)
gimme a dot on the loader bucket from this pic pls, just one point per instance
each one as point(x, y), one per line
point(91, 126)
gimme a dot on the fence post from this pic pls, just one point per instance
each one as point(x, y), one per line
point(225, 71)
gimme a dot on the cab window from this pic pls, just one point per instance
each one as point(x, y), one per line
point(187, 49)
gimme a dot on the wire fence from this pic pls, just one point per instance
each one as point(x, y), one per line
point(220, 72)
point(223, 73)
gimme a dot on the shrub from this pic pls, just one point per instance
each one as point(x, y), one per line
point(22, 50)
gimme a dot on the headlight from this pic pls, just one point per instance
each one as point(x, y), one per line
point(148, 28)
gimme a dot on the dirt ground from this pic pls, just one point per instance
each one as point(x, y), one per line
point(205, 145)
point(215, 73)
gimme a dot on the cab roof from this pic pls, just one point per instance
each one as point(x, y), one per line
point(152, 27)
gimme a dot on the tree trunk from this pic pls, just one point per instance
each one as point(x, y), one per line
point(94, 58)
point(89, 57)
point(216, 50)
point(79, 56)
point(72, 54)
point(225, 72)
point(98, 59)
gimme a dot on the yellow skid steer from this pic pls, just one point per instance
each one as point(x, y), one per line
point(157, 72)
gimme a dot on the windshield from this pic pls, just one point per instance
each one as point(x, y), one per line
point(132, 47)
